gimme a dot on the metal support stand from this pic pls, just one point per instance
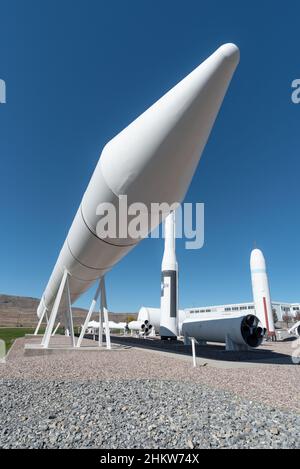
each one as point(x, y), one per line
point(231, 346)
point(64, 287)
point(193, 351)
point(40, 322)
point(55, 330)
point(191, 341)
point(68, 317)
point(103, 308)
point(103, 314)
point(100, 330)
point(89, 314)
point(69, 314)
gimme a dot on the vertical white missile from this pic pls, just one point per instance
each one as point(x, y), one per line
point(261, 291)
point(169, 283)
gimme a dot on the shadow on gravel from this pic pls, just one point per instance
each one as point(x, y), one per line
point(210, 351)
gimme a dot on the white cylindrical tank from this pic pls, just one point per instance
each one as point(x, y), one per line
point(153, 316)
point(151, 161)
point(261, 291)
point(145, 328)
point(135, 325)
point(169, 283)
point(241, 330)
point(150, 314)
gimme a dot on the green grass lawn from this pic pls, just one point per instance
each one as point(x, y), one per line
point(9, 334)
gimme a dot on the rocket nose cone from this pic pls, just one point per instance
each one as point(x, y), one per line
point(231, 52)
point(165, 143)
point(257, 260)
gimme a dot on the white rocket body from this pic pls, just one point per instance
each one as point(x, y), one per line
point(234, 329)
point(245, 330)
point(153, 316)
point(152, 160)
point(169, 284)
point(261, 291)
point(135, 325)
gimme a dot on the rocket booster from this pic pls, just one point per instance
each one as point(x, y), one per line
point(233, 329)
point(261, 291)
point(151, 161)
point(169, 283)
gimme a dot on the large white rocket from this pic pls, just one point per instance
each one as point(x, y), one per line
point(152, 160)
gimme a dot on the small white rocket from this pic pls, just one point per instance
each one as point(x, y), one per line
point(261, 291)
point(169, 283)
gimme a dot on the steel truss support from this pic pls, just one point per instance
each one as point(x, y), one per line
point(103, 312)
point(63, 289)
point(40, 322)
point(56, 329)
point(68, 316)
point(88, 316)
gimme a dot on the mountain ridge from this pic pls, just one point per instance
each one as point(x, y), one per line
point(20, 311)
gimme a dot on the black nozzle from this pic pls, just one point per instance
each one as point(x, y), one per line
point(252, 333)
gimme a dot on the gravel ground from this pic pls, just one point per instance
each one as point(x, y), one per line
point(136, 399)
point(137, 414)
point(274, 385)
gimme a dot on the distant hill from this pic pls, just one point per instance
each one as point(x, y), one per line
point(20, 311)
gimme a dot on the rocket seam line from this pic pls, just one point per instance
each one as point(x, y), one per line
point(101, 239)
point(84, 265)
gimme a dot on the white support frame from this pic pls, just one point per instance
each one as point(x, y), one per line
point(191, 341)
point(55, 330)
point(68, 316)
point(103, 313)
point(194, 351)
point(64, 287)
point(103, 309)
point(40, 322)
point(100, 330)
point(88, 316)
point(231, 346)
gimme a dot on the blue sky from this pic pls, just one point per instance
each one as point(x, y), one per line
point(77, 72)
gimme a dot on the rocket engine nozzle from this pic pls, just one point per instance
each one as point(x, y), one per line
point(252, 331)
point(146, 328)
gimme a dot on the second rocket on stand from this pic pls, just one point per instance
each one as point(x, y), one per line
point(261, 291)
point(169, 284)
